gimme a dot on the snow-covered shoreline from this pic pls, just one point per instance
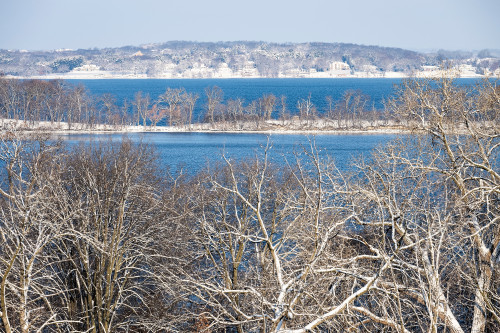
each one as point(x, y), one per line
point(312, 128)
point(103, 75)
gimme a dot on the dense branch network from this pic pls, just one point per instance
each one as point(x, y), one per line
point(97, 238)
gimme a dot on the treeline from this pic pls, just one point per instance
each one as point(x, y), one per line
point(98, 238)
point(56, 101)
point(175, 107)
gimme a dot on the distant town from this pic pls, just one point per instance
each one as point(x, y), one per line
point(182, 59)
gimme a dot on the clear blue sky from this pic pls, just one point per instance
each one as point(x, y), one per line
point(417, 25)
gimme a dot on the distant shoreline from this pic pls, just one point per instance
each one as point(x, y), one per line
point(138, 77)
point(244, 60)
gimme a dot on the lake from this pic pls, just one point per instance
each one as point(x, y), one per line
point(249, 90)
point(378, 89)
point(191, 152)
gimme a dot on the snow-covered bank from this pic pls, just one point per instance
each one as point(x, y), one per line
point(318, 126)
point(100, 74)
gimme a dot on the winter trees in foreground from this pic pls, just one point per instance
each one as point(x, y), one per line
point(76, 235)
point(408, 242)
point(97, 238)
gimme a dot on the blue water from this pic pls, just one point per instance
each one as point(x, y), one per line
point(192, 152)
point(378, 89)
point(249, 89)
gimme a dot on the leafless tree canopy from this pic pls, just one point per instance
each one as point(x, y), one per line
point(60, 105)
point(98, 238)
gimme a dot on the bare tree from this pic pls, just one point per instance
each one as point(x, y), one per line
point(269, 104)
point(110, 236)
point(94, 240)
point(464, 133)
point(156, 114)
point(189, 104)
point(28, 285)
point(352, 107)
point(79, 108)
point(409, 242)
point(107, 108)
point(141, 106)
point(9, 98)
point(267, 244)
point(329, 111)
point(173, 99)
point(214, 98)
point(306, 108)
point(235, 108)
point(78, 236)
point(284, 114)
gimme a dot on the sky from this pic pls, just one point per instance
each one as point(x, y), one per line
point(422, 25)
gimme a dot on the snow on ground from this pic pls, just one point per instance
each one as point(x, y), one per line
point(318, 126)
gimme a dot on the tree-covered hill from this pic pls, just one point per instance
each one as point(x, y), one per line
point(183, 59)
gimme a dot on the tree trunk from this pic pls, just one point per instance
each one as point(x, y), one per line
point(479, 321)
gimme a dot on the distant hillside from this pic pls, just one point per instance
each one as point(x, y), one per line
point(180, 59)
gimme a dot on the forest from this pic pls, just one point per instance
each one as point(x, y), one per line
point(101, 238)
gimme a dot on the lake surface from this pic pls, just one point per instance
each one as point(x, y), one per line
point(191, 152)
point(249, 90)
point(378, 89)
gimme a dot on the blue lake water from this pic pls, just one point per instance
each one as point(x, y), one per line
point(191, 152)
point(378, 89)
point(249, 89)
